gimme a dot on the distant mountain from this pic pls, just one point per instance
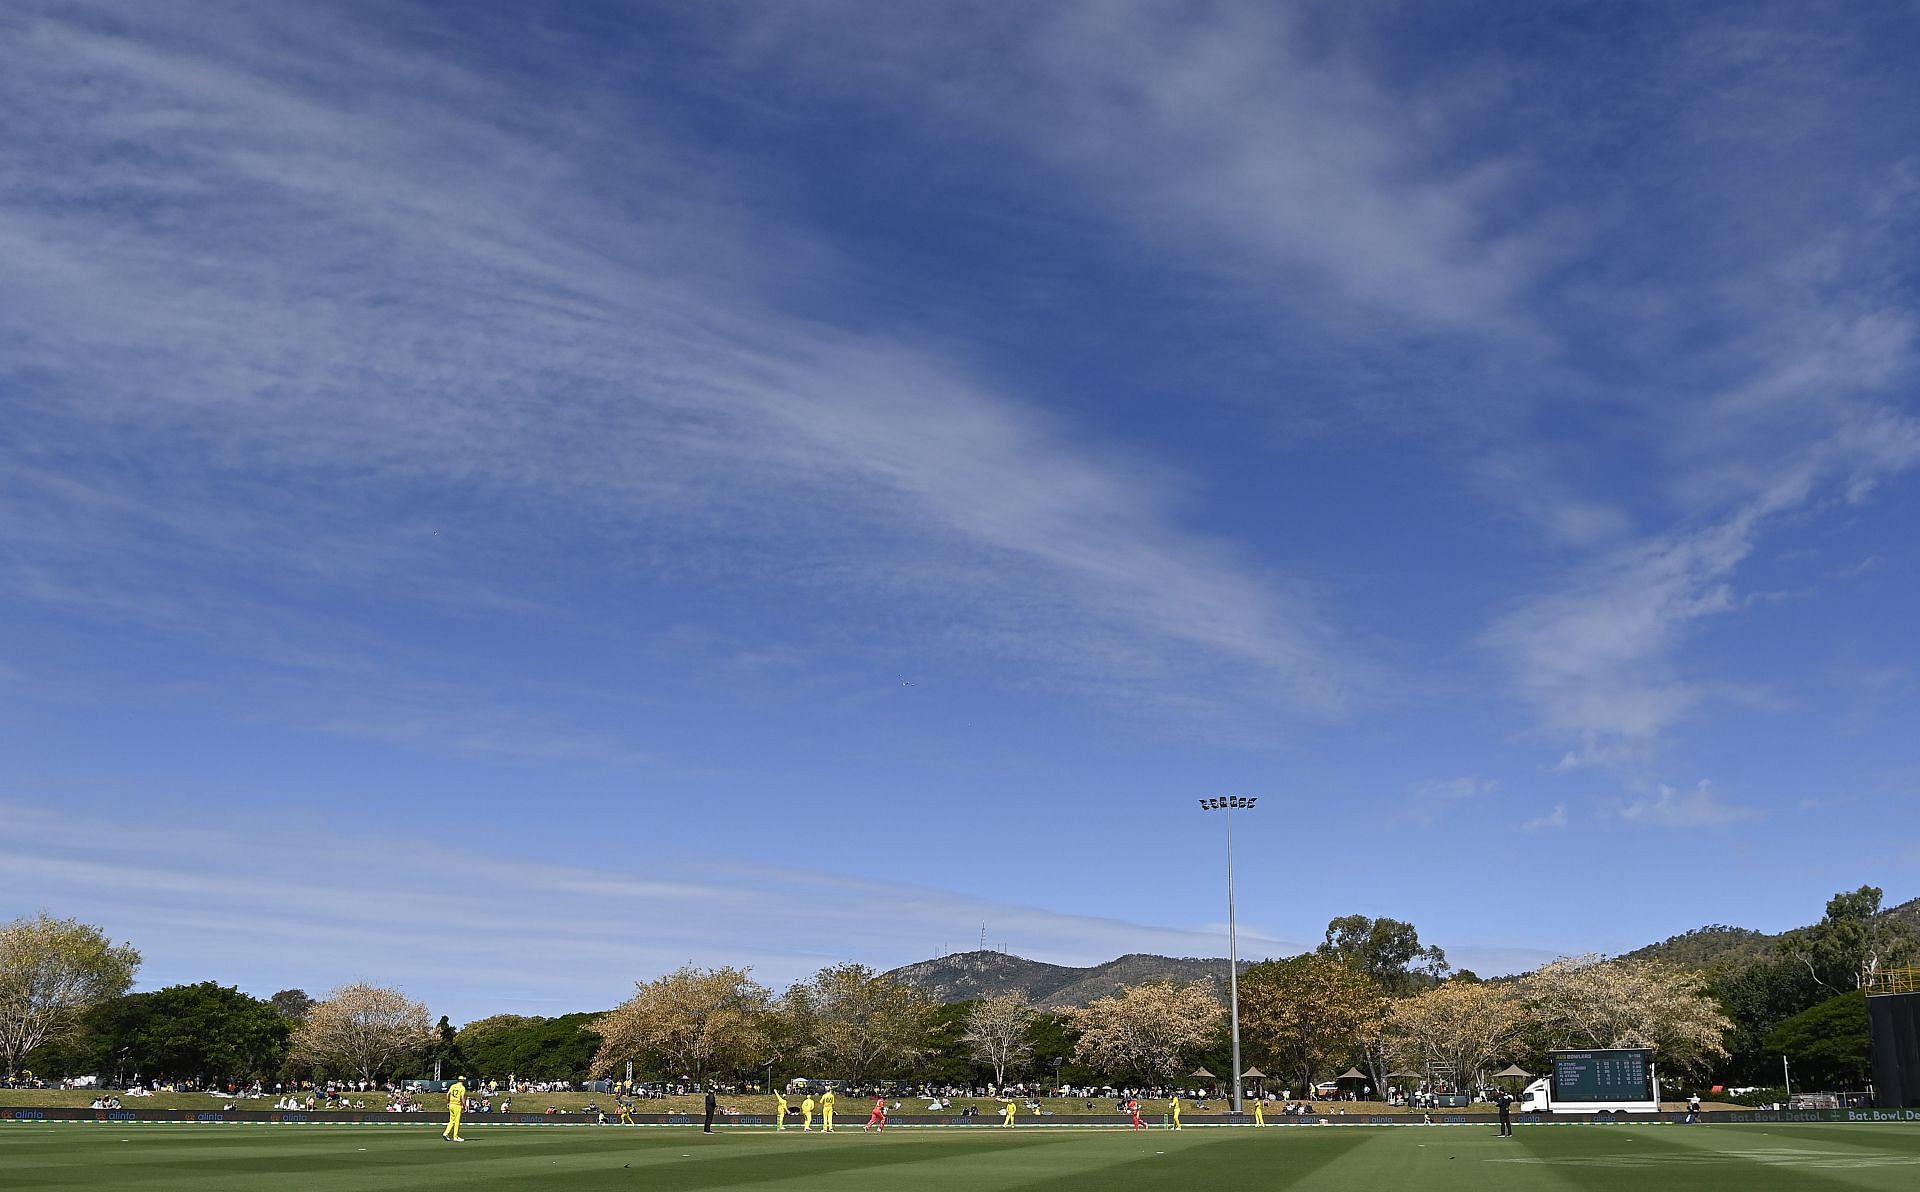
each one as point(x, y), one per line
point(1908, 911)
point(1136, 968)
point(1706, 947)
point(967, 975)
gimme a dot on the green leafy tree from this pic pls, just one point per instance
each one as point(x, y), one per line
point(444, 1052)
point(293, 1003)
point(531, 1048)
point(1387, 951)
point(1757, 996)
point(948, 1058)
point(84, 1050)
point(206, 1032)
point(1828, 1045)
point(52, 971)
point(1051, 1038)
point(1852, 942)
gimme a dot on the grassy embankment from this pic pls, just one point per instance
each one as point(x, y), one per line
point(750, 1104)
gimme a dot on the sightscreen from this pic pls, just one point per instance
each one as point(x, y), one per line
point(1603, 1074)
point(1895, 1021)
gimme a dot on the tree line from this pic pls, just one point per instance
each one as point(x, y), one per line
point(1370, 997)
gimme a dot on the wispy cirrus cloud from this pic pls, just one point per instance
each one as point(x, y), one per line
point(1752, 361)
point(1598, 659)
point(291, 270)
point(1795, 406)
point(322, 907)
point(1246, 128)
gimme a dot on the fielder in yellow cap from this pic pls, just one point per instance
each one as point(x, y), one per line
point(456, 1104)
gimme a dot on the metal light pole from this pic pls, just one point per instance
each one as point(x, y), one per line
point(1227, 803)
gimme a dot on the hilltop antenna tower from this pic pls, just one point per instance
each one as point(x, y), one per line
point(983, 937)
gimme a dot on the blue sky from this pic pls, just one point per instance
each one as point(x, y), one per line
point(503, 500)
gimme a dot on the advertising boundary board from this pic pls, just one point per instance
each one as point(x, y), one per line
point(40, 1116)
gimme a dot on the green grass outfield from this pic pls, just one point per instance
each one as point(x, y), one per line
point(217, 1158)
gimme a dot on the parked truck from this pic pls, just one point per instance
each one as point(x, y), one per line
point(1596, 1080)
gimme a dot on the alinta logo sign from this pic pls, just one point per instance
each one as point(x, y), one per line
point(1229, 801)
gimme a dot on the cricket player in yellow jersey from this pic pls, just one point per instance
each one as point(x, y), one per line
point(1006, 1115)
point(1173, 1107)
point(456, 1105)
point(826, 1112)
point(779, 1110)
point(1259, 1113)
point(806, 1114)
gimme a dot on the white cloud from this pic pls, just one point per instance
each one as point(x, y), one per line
point(359, 302)
point(1552, 820)
point(1777, 360)
point(1454, 789)
point(1597, 659)
point(1701, 807)
point(1434, 799)
point(256, 904)
point(1594, 658)
point(1241, 131)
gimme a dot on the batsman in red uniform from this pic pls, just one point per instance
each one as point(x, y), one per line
point(879, 1119)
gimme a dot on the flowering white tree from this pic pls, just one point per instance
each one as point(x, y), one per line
point(997, 1032)
point(1590, 1001)
point(1461, 1026)
point(693, 1020)
point(856, 1021)
point(1146, 1030)
point(362, 1029)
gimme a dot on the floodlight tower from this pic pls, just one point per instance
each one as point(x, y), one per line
point(1228, 803)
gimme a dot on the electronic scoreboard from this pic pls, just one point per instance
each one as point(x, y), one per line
point(1603, 1074)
